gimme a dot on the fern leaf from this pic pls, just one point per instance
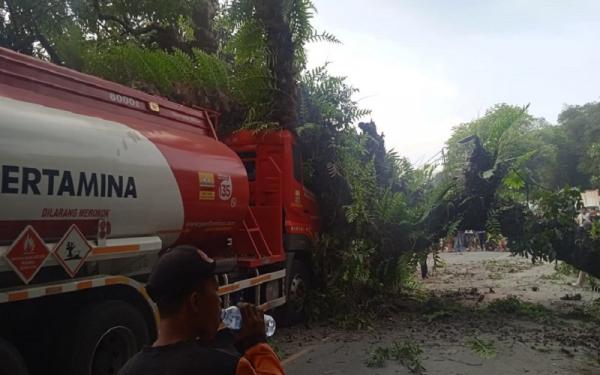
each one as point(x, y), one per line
point(323, 36)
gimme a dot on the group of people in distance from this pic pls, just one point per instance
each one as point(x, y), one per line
point(471, 240)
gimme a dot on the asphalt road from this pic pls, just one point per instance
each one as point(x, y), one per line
point(520, 346)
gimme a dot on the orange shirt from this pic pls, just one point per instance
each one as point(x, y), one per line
point(259, 360)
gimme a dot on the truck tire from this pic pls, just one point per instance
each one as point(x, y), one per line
point(11, 361)
point(102, 338)
point(298, 285)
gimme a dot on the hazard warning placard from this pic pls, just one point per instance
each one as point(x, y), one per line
point(27, 254)
point(72, 250)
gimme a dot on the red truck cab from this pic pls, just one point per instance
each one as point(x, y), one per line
point(278, 199)
point(277, 194)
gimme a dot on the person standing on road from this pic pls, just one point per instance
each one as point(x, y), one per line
point(459, 241)
point(481, 238)
point(583, 216)
point(183, 286)
point(585, 221)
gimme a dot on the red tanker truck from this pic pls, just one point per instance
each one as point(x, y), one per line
point(96, 179)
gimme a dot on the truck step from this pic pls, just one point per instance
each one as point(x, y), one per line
point(250, 262)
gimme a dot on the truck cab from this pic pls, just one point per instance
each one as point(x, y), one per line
point(274, 166)
point(278, 199)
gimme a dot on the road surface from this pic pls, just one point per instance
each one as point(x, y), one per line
point(561, 344)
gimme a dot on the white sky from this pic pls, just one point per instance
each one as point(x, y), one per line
point(424, 66)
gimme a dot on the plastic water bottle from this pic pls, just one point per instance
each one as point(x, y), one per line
point(232, 319)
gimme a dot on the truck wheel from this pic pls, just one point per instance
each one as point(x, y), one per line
point(103, 337)
point(298, 285)
point(11, 361)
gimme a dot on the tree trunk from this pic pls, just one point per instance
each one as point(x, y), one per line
point(581, 252)
point(281, 61)
point(203, 14)
point(54, 57)
point(587, 261)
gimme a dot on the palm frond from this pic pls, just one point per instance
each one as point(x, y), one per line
point(323, 36)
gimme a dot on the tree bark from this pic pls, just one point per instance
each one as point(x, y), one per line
point(281, 62)
point(54, 57)
point(587, 261)
point(202, 17)
point(581, 252)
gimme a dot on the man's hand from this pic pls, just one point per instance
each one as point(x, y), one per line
point(253, 327)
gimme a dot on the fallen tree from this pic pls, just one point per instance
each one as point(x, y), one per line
point(479, 192)
point(548, 231)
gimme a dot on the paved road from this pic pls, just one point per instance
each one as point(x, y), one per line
point(522, 346)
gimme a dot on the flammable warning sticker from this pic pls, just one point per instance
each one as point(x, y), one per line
point(206, 179)
point(207, 195)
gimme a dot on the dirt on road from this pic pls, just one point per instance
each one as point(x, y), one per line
point(486, 313)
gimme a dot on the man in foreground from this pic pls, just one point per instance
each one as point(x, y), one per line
point(183, 286)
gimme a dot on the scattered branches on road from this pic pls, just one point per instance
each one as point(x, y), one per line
point(485, 349)
point(408, 354)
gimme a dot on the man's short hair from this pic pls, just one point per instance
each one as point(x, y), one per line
point(177, 273)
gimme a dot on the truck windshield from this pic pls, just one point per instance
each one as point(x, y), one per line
point(297, 163)
point(249, 160)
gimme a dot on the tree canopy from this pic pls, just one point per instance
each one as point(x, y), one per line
point(505, 171)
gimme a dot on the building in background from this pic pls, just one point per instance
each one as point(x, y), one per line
point(590, 198)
